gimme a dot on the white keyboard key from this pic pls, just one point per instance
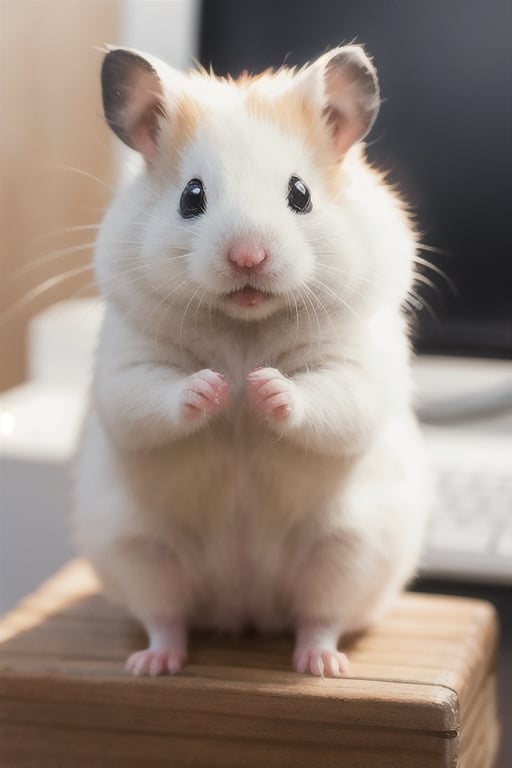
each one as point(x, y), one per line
point(459, 539)
point(469, 535)
point(504, 547)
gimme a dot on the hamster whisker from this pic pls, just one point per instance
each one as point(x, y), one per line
point(184, 316)
point(428, 265)
point(325, 310)
point(101, 182)
point(61, 253)
point(412, 305)
point(142, 244)
point(297, 319)
point(311, 303)
point(40, 289)
point(418, 277)
point(336, 298)
point(106, 292)
point(84, 289)
point(204, 295)
point(210, 310)
point(431, 249)
point(172, 295)
point(164, 304)
point(346, 273)
point(47, 258)
point(419, 303)
point(133, 281)
point(81, 172)
point(67, 230)
point(91, 176)
point(288, 296)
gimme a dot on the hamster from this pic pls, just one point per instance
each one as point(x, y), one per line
point(250, 458)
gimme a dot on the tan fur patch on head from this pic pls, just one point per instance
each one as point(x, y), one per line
point(287, 111)
point(293, 116)
point(180, 129)
point(189, 113)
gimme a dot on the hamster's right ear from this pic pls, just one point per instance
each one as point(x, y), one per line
point(133, 98)
point(342, 86)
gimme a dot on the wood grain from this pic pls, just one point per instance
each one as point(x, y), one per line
point(421, 692)
point(56, 157)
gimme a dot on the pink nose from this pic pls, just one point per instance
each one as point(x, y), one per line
point(247, 254)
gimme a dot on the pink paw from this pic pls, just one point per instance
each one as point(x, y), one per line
point(320, 663)
point(272, 393)
point(155, 662)
point(205, 392)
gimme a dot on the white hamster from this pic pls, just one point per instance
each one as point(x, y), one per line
point(250, 457)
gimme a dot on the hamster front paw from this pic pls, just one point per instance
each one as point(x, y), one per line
point(206, 392)
point(274, 395)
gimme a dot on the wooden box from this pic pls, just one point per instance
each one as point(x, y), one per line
point(421, 693)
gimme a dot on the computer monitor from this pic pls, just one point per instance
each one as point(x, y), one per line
point(444, 131)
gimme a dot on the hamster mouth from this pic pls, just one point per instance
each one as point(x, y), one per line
point(248, 297)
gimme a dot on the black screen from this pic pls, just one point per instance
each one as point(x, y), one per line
point(444, 132)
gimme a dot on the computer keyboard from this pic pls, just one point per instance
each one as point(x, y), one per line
point(469, 534)
point(465, 406)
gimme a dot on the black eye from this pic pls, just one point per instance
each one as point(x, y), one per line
point(193, 199)
point(299, 197)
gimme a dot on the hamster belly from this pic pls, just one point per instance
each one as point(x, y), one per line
point(246, 516)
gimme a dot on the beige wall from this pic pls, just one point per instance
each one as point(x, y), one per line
point(50, 118)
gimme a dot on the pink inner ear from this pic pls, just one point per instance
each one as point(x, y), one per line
point(345, 129)
point(144, 108)
point(352, 95)
point(144, 140)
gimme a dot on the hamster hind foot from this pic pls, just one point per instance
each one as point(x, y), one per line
point(316, 650)
point(166, 652)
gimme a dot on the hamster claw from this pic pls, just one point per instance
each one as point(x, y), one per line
point(272, 393)
point(206, 392)
point(320, 663)
point(155, 662)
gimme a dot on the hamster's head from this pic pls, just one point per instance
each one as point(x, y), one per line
point(246, 203)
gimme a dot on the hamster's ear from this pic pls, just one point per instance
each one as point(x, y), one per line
point(342, 84)
point(133, 98)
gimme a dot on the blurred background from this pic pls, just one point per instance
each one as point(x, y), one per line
point(444, 133)
point(58, 159)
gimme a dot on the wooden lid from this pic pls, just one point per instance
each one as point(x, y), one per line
point(413, 683)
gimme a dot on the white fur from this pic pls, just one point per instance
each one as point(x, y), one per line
point(235, 517)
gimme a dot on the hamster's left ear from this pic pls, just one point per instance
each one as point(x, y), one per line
point(133, 98)
point(342, 84)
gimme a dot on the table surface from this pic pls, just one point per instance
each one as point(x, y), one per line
point(420, 674)
point(501, 598)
